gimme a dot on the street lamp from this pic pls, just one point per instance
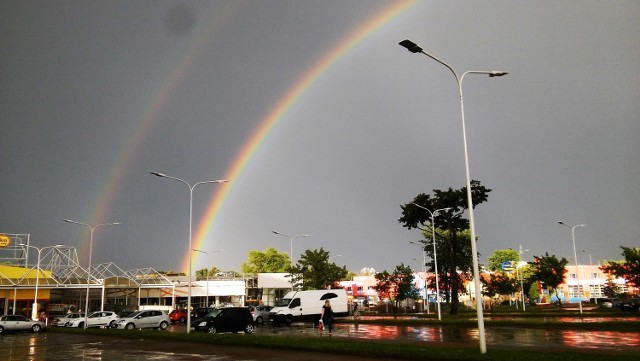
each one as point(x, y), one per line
point(190, 187)
point(520, 252)
point(435, 257)
point(575, 258)
point(412, 47)
point(34, 311)
point(291, 238)
point(207, 275)
point(86, 304)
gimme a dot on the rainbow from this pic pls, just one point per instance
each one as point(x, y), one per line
point(276, 113)
point(141, 127)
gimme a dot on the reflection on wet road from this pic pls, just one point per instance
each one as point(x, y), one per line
point(496, 336)
point(59, 346)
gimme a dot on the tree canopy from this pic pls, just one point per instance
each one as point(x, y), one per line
point(502, 255)
point(550, 272)
point(453, 247)
point(269, 261)
point(397, 285)
point(314, 272)
point(629, 269)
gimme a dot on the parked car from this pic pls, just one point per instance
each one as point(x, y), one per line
point(229, 319)
point(260, 313)
point(609, 302)
point(62, 321)
point(96, 319)
point(200, 312)
point(144, 319)
point(631, 304)
point(10, 323)
point(178, 316)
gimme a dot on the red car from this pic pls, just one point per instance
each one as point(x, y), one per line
point(178, 316)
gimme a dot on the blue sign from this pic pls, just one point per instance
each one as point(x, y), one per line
point(508, 266)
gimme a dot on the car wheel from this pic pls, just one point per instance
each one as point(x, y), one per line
point(248, 328)
point(81, 325)
point(1, 330)
point(112, 324)
point(163, 325)
point(211, 329)
point(36, 328)
point(182, 320)
point(288, 320)
point(130, 326)
point(259, 320)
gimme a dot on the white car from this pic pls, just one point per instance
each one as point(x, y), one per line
point(144, 319)
point(96, 319)
point(63, 321)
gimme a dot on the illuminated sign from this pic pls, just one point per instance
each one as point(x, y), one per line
point(4, 240)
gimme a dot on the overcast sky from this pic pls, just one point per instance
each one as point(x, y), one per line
point(94, 95)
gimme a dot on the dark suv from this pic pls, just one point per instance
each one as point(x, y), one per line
point(229, 319)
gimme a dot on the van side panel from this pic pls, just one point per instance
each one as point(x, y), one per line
point(310, 307)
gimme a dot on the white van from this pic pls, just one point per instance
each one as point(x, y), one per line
point(307, 305)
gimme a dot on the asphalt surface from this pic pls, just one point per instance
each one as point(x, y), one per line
point(53, 346)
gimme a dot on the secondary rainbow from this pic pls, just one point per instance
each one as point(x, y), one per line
point(279, 110)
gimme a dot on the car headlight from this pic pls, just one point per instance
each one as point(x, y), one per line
point(202, 324)
point(280, 312)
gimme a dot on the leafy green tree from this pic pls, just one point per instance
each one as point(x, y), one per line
point(629, 269)
point(204, 273)
point(502, 255)
point(550, 272)
point(496, 284)
point(454, 252)
point(269, 261)
point(314, 272)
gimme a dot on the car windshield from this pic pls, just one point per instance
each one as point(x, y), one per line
point(213, 313)
point(135, 314)
point(283, 302)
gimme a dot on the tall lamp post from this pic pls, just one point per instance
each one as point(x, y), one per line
point(412, 47)
point(575, 258)
point(520, 252)
point(435, 257)
point(207, 275)
point(291, 238)
point(86, 304)
point(34, 311)
point(190, 187)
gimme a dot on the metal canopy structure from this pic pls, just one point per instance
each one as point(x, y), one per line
point(59, 268)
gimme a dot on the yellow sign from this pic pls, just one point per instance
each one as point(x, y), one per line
point(4, 240)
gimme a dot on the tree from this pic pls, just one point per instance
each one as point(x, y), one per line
point(398, 285)
point(611, 289)
point(456, 251)
point(204, 273)
point(550, 272)
point(500, 256)
point(496, 284)
point(269, 261)
point(629, 269)
point(314, 272)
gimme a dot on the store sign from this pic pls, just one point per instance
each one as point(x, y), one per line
point(4, 240)
point(508, 266)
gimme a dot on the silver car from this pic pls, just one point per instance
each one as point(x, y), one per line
point(260, 313)
point(96, 319)
point(63, 321)
point(19, 323)
point(144, 319)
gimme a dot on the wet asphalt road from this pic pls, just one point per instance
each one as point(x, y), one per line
point(59, 346)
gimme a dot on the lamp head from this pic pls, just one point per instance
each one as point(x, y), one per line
point(157, 174)
point(411, 46)
point(497, 73)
